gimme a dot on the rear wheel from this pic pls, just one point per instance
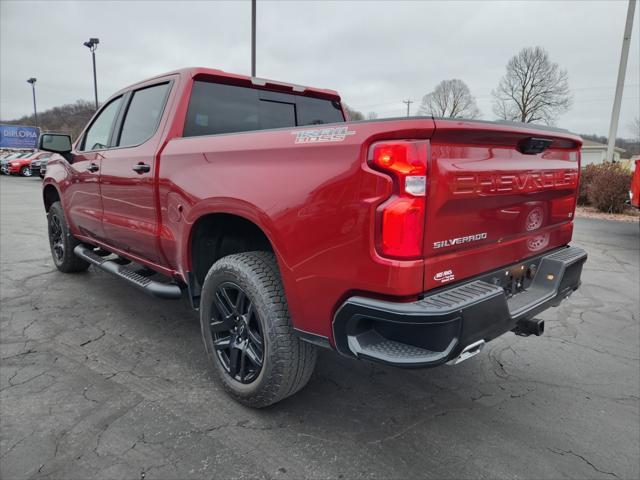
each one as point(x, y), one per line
point(248, 333)
point(62, 242)
point(25, 171)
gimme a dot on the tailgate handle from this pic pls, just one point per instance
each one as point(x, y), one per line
point(532, 145)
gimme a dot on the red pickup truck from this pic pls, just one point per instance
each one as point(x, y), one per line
point(409, 241)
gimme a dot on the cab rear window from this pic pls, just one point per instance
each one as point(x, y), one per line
point(216, 108)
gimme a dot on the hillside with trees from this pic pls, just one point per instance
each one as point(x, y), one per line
point(70, 118)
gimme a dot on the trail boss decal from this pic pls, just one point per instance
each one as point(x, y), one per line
point(450, 242)
point(320, 135)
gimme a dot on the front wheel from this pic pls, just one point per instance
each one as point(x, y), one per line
point(62, 242)
point(248, 333)
point(25, 172)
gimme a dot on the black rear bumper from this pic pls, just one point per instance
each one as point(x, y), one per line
point(438, 327)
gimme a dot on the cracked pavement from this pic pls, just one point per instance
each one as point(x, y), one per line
point(99, 381)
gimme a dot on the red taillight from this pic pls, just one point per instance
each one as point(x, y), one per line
point(403, 158)
point(400, 222)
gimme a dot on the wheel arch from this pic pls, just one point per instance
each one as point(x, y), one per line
point(50, 195)
point(216, 234)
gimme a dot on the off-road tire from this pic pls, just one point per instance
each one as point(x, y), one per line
point(288, 362)
point(65, 261)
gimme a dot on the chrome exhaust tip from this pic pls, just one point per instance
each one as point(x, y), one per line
point(468, 352)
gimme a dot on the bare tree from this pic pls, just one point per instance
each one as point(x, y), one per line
point(353, 115)
point(533, 90)
point(372, 116)
point(450, 98)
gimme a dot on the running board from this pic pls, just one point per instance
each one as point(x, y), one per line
point(169, 291)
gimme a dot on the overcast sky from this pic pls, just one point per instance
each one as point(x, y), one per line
point(374, 53)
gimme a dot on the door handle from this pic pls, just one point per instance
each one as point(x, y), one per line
point(141, 168)
point(93, 167)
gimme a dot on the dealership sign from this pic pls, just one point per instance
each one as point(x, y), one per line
point(17, 136)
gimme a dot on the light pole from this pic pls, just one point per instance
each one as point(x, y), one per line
point(92, 44)
point(253, 38)
point(622, 71)
point(32, 81)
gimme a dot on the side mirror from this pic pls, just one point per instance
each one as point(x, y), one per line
point(55, 142)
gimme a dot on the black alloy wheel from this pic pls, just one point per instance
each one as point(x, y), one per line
point(247, 331)
point(56, 237)
point(62, 242)
point(236, 332)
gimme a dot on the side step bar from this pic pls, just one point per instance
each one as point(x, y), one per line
point(373, 346)
point(156, 289)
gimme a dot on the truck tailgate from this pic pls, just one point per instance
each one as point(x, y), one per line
point(494, 198)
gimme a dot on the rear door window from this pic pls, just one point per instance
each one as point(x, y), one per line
point(216, 108)
point(143, 115)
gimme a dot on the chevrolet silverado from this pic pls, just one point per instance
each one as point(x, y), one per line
point(409, 241)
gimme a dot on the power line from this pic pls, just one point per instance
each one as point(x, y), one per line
point(408, 102)
point(488, 95)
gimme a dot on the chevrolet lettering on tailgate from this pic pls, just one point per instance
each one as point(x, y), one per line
point(497, 183)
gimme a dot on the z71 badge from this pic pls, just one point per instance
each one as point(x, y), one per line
point(332, 134)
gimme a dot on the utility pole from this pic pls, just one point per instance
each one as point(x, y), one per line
point(622, 70)
point(92, 44)
point(32, 81)
point(408, 102)
point(253, 38)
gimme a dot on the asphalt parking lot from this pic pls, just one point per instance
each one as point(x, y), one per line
point(100, 381)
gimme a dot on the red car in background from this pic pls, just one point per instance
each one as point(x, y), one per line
point(22, 166)
point(634, 192)
point(4, 161)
